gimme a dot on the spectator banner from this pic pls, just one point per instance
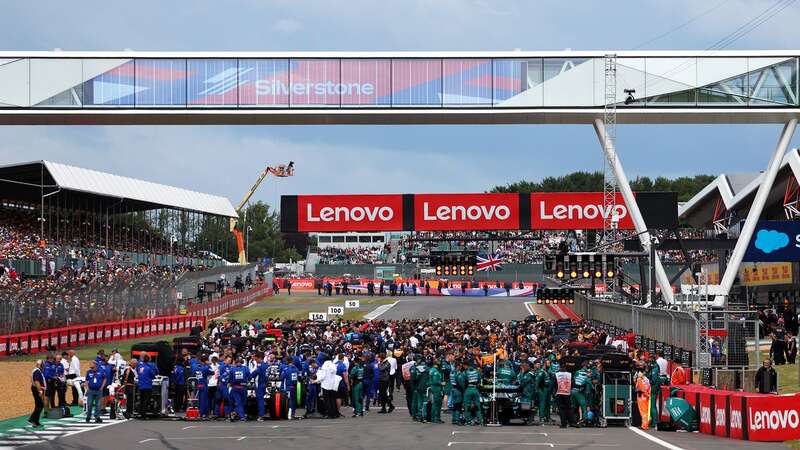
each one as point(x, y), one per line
point(465, 212)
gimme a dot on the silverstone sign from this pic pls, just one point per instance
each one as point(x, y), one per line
point(468, 212)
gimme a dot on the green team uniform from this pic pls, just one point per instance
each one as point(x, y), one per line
point(357, 389)
point(472, 397)
point(447, 370)
point(505, 373)
point(457, 384)
point(581, 383)
point(544, 391)
point(419, 380)
point(655, 386)
point(528, 390)
point(435, 381)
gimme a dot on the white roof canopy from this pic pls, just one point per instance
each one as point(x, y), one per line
point(105, 184)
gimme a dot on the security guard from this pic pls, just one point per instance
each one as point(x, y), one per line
point(435, 384)
point(419, 382)
point(357, 387)
point(581, 384)
point(472, 398)
point(457, 391)
point(527, 388)
point(238, 375)
point(544, 391)
point(289, 377)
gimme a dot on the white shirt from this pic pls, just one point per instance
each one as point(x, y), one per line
point(326, 375)
point(414, 341)
point(663, 365)
point(212, 381)
point(74, 366)
point(392, 365)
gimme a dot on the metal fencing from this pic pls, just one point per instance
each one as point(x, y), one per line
point(676, 328)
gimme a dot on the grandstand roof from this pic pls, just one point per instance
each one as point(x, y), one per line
point(22, 182)
point(735, 192)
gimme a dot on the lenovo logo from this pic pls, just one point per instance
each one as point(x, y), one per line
point(365, 212)
point(580, 212)
point(461, 212)
point(345, 214)
point(774, 419)
point(466, 211)
point(576, 210)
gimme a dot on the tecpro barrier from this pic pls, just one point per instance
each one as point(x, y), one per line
point(78, 335)
point(740, 415)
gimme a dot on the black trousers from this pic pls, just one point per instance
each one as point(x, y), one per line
point(329, 396)
point(179, 403)
point(61, 390)
point(384, 395)
point(565, 410)
point(38, 405)
point(409, 395)
point(50, 392)
point(130, 401)
point(144, 400)
point(74, 390)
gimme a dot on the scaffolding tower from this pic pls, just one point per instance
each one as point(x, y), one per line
point(610, 122)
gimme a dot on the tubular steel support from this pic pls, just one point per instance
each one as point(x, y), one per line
point(755, 213)
point(633, 209)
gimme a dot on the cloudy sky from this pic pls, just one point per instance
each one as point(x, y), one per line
point(350, 159)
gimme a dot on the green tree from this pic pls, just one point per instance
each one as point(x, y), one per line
point(264, 237)
point(581, 181)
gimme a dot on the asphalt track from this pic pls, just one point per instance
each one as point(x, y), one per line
point(394, 431)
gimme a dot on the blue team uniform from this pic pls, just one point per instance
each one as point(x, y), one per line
point(289, 378)
point(237, 377)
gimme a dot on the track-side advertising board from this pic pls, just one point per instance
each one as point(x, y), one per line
point(483, 211)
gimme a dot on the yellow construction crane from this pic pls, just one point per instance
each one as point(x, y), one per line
point(281, 171)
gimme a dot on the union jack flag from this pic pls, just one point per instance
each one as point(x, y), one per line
point(489, 263)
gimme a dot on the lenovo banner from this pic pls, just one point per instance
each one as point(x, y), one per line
point(346, 212)
point(576, 211)
point(466, 212)
point(441, 212)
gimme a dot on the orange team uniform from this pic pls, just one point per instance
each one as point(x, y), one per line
point(678, 376)
point(643, 399)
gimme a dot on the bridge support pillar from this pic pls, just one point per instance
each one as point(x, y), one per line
point(633, 209)
point(755, 213)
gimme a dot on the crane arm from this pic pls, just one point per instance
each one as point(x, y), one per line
point(280, 171)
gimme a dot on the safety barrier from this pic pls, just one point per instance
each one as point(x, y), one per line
point(740, 415)
point(676, 328)
point(78, 335)
point(229, 303)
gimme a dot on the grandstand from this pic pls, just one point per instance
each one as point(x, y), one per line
point(82, 246)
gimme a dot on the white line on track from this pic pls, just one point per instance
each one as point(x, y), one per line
point(528, 307)
point(652, 438)
point(530, 444)
point(377, 312)
point(203, 438)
